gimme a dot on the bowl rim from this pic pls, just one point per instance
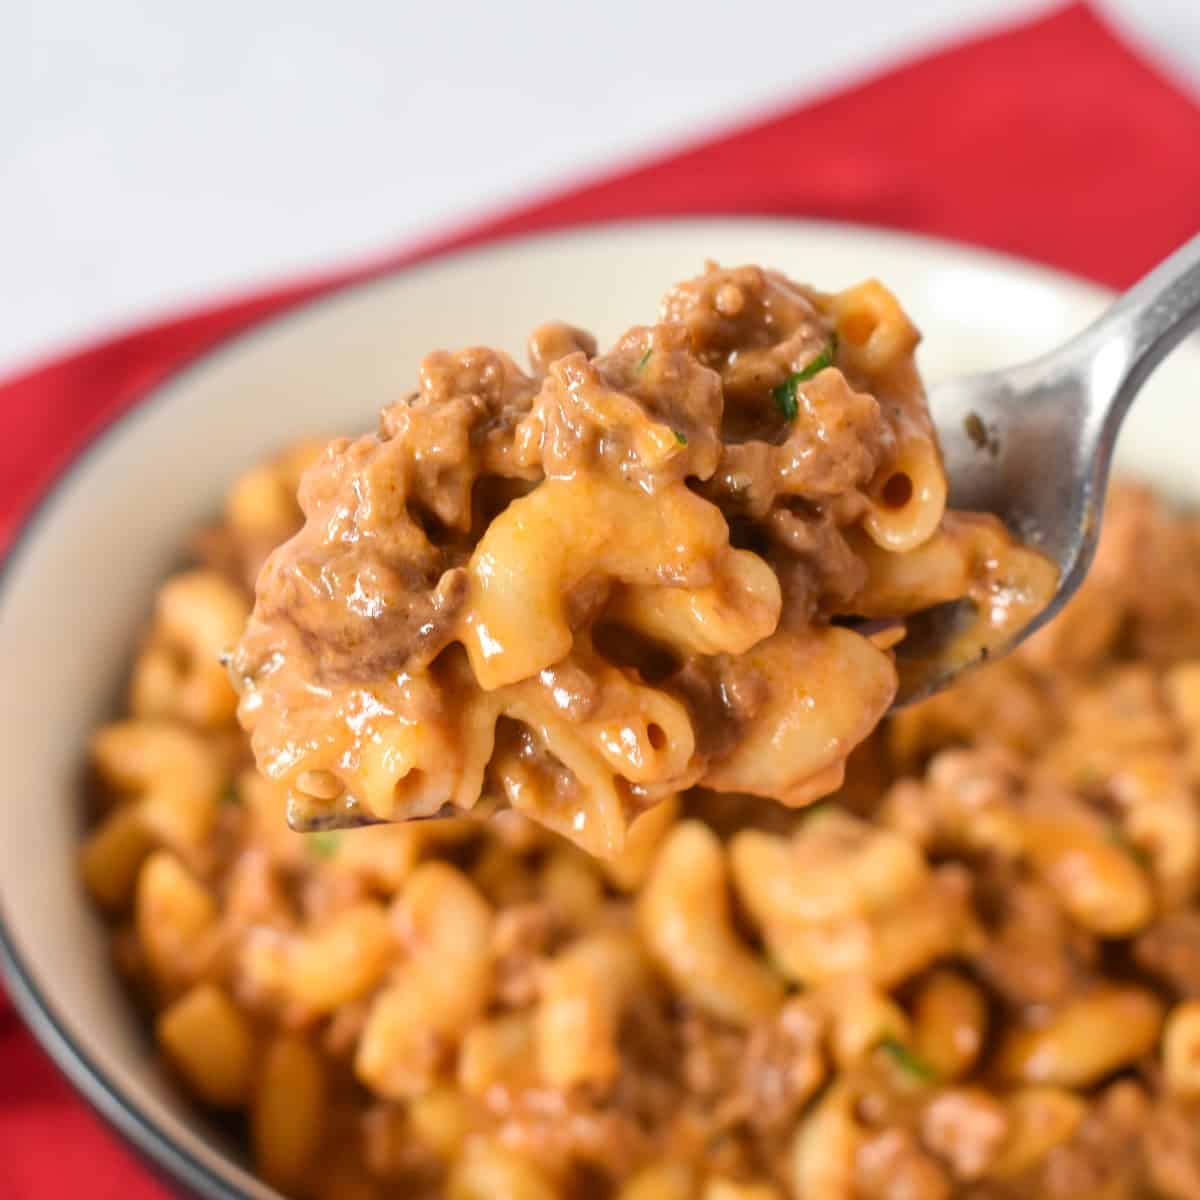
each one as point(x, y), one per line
point(170, 1160)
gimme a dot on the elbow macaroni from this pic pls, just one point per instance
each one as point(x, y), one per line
point(686, 923)
point(584, 992)
point(439, 989)
point(840, 898)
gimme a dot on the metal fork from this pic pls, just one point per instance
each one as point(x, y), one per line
point(1033, 444)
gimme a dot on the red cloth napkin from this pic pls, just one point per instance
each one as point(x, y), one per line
point(1052, 140)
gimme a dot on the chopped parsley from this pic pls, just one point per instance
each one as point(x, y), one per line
point(231, 795)
point(641, 362)
point(1116, 835)
point(816, 812)
point(680, 437)
point(908, 1060)
point(785, 393)
point(324, 845)
point(785, 397)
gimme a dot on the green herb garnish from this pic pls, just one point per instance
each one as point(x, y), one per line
point(231, 795)
point(681, 438)
point(324, 845)
point(1116, 835)
point(908, 1060)
point(641, 362)
point(816, 812)
point(785, 393)
point(785, 397)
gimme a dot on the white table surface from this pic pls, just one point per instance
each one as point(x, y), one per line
point(154, 155)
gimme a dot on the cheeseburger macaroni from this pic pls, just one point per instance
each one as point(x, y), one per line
point(973, 974)
point(581, 591)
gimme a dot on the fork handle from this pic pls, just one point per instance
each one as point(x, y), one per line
point(1139, 330)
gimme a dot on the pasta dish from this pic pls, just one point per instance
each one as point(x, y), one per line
point(578, 592)
point(972, 972)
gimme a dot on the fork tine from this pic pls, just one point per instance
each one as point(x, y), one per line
point(305, 816)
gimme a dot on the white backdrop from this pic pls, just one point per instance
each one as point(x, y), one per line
point(156, 154)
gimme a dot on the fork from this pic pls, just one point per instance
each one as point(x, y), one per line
point(1033, 444)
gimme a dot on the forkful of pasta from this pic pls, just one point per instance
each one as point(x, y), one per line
point(710, 557)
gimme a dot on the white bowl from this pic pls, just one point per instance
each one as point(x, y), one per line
point(78, 587)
